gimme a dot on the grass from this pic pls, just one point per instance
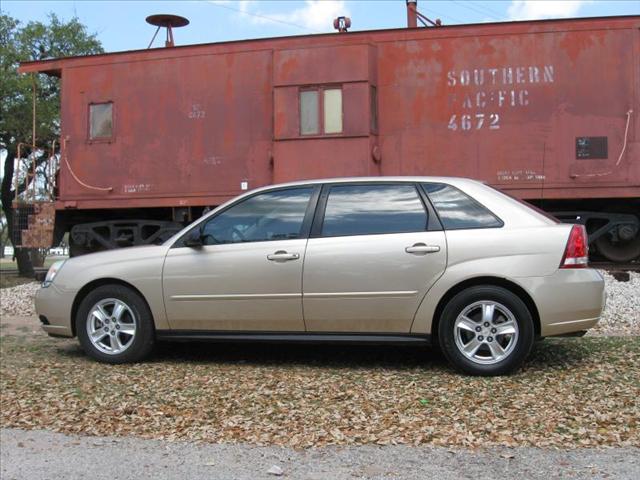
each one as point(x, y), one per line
point(8, 281)
point(8, 264)
point(571, 392)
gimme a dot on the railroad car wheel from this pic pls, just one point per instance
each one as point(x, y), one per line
point(619, 251)
point(486, 330)
point(114, 325)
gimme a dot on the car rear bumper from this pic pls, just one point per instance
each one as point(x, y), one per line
point(55, 305)
point(570, 300)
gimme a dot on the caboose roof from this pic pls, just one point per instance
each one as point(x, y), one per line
point(54, 66)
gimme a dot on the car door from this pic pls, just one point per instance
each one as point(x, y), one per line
point(374, 251)
point(247, 275)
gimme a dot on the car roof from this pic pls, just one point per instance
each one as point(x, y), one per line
point(456, 181)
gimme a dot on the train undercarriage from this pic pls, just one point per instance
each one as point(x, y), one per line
point(612, 225)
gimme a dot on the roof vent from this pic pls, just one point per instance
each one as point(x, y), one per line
point(169, 22)
point(342, 24)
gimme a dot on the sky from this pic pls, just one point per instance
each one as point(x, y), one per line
point(120, 25)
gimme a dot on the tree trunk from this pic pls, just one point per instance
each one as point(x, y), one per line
point(25, 268)
point(37, 257)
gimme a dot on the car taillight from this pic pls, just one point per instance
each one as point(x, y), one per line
point(576, 254)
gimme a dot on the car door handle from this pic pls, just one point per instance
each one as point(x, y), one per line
point(282, 256)
point(422, 249)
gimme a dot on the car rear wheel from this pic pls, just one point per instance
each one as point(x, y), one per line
point(114, 325)
point(486, 330)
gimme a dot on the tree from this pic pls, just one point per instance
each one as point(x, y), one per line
point(33, 41)
point(4, 236)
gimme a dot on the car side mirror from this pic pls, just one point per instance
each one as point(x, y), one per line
point(194, 240)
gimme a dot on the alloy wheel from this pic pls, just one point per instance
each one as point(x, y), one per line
point(486, 332)
point(111, 326)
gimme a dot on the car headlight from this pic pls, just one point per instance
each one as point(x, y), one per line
point(51, 274)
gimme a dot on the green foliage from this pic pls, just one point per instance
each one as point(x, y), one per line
point(18, 43)
point(35, 41)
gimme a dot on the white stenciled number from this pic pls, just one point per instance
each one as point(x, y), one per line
point(452, 123)
point(465, 122)
point(480, 120)
point(494, 118)
point(196, 112)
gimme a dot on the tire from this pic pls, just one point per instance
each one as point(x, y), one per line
point(620, 251)
point(121, 323)
point(463, 328)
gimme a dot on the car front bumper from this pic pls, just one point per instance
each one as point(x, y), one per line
point(55, 304)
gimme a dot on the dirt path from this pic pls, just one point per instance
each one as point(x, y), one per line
point(45, 455)
point(20, 325)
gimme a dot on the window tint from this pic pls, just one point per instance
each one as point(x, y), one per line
point(309, 116)
point(457, 210)
point(268, 216)
point(100, 120)
point(333, 110)
point(372, 209)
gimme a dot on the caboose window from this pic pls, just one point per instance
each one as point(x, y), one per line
point(100, 120)
point(321, 111)
point(333, 110)
point(309, 108)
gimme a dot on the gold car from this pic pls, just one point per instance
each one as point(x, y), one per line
point(413, 260)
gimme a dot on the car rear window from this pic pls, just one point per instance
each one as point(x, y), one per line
point(457, 210)
point(373, 209)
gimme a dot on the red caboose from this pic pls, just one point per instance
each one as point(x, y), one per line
point(546, 110)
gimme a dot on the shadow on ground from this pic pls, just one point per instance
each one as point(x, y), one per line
point(551, 353)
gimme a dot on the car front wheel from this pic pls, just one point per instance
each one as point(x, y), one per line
point(486, 330)
point(114, 325)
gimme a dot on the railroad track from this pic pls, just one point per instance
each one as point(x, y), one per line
point(14, 271)
point(618, 267)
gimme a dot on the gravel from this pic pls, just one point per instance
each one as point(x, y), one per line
point(40, 454)
point(622, 312)
point(18, 301)
point(621, 315)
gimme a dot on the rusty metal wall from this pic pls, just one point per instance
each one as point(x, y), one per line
point(504, 103)
point(183, 127)
point(508, 109)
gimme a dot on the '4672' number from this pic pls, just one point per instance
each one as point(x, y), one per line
point(469, 121)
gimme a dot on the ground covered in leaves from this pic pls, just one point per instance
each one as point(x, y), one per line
point(571, 392)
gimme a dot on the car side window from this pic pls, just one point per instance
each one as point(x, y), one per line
point(276, 215)
point(457, 210)
point(373, 209)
